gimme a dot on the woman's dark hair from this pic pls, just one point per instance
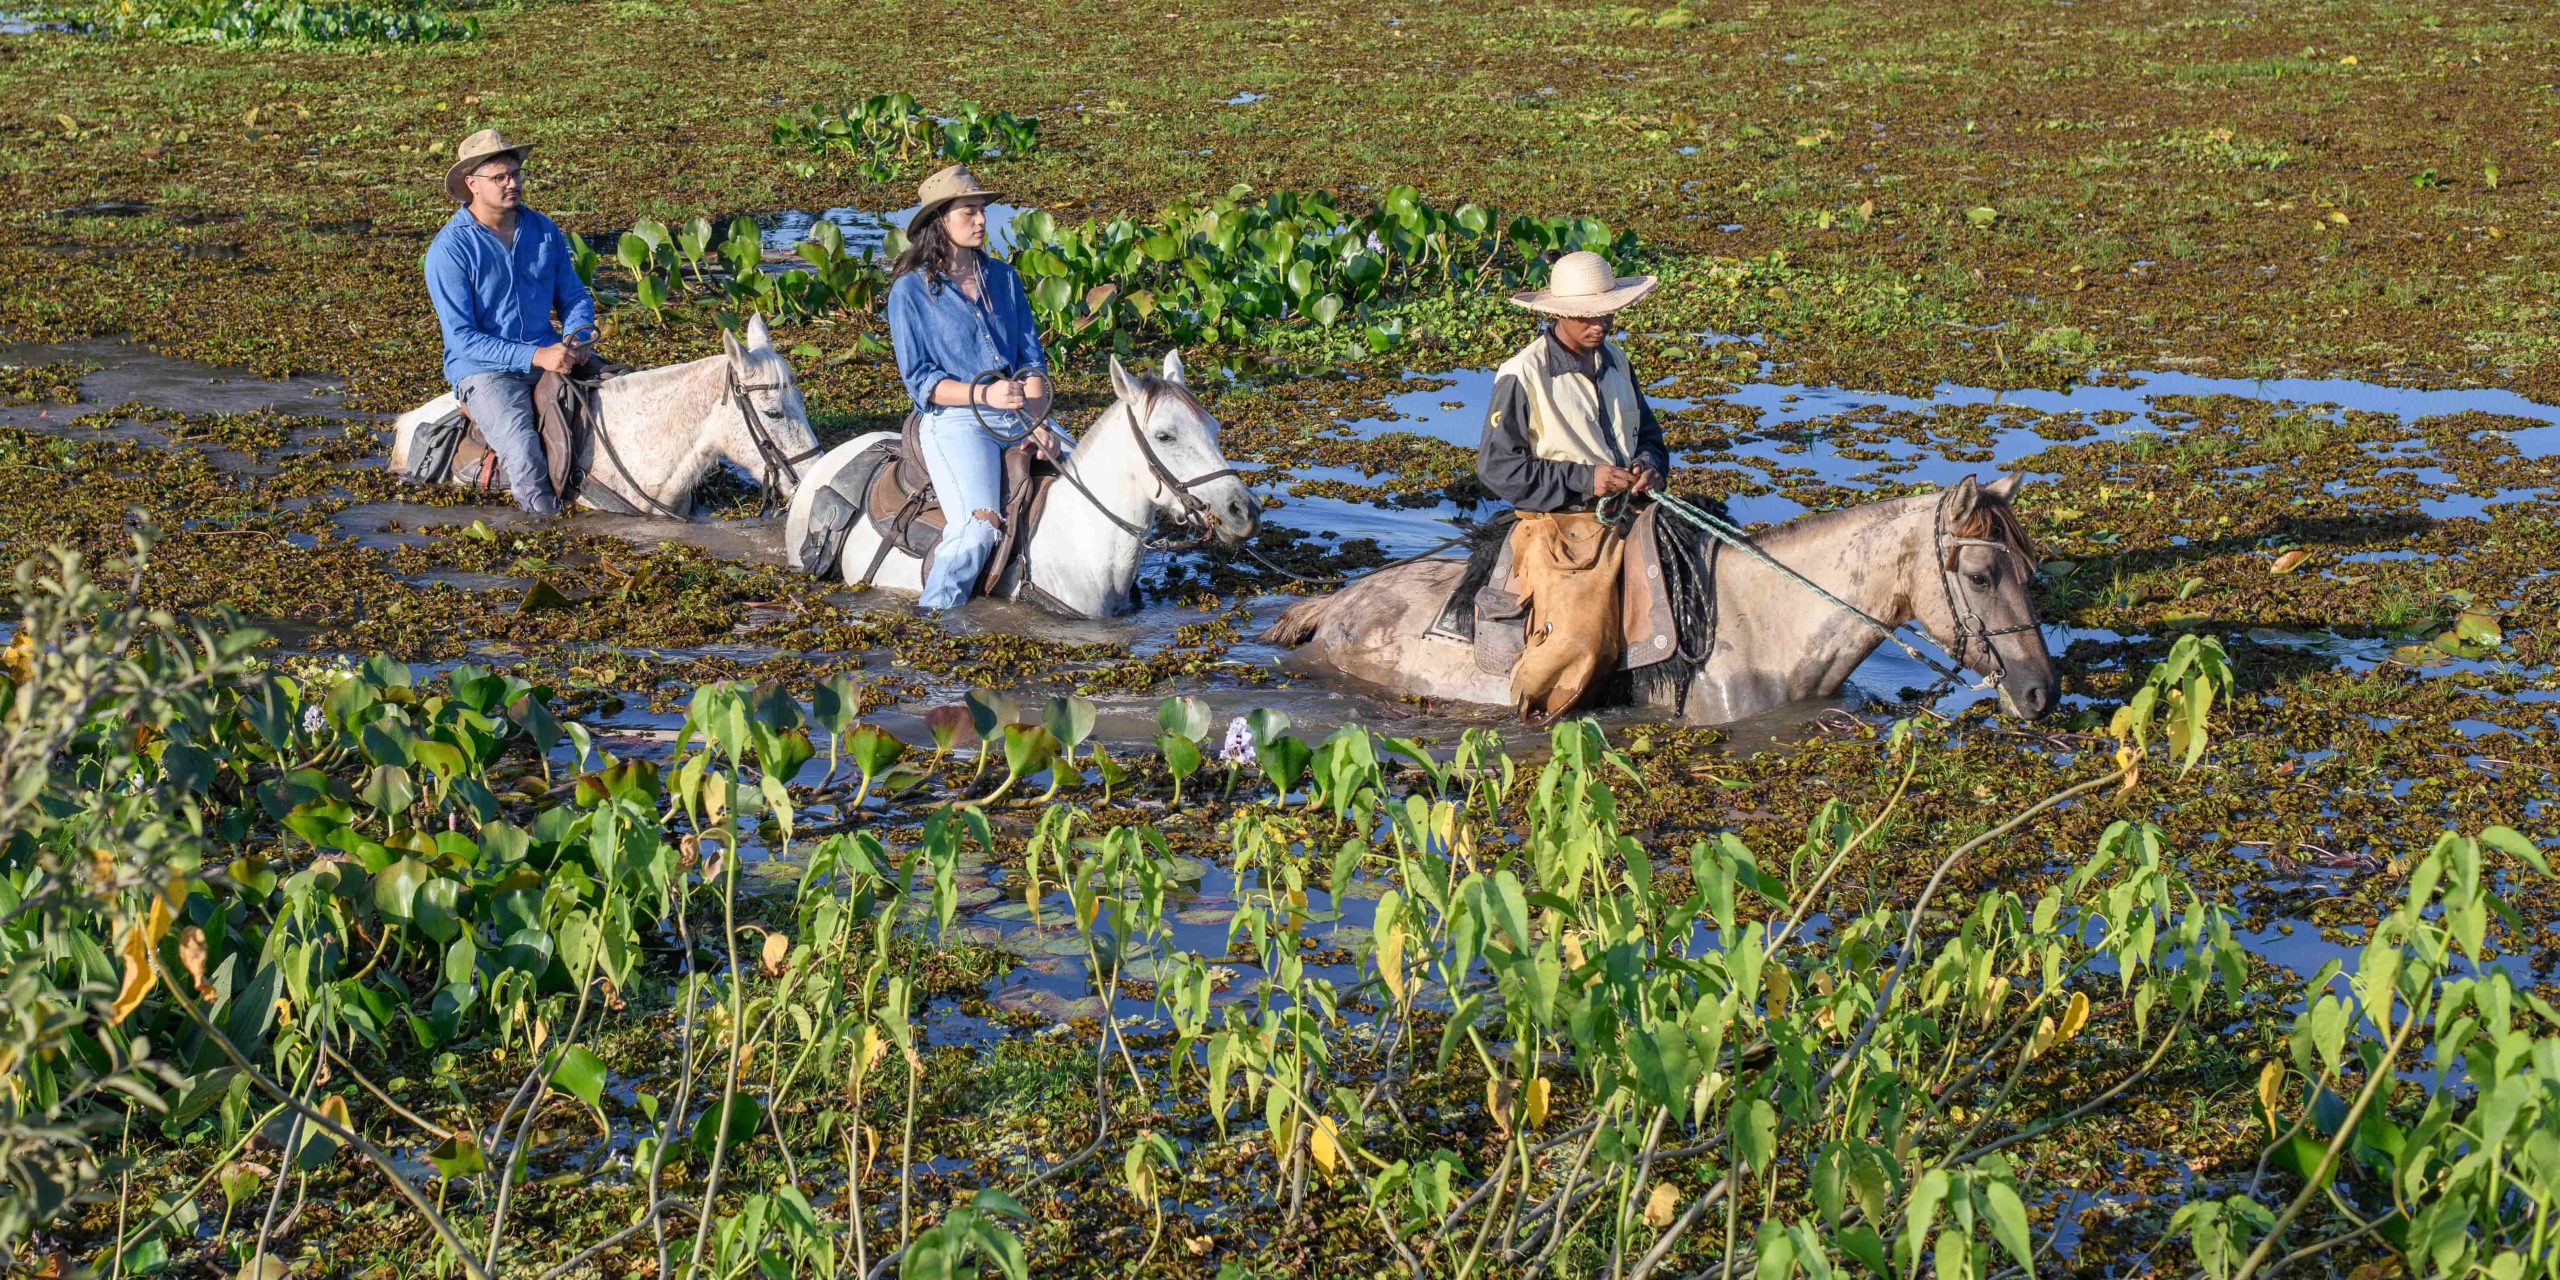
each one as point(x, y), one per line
point(928, 249)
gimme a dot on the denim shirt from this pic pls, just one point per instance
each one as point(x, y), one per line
point(939, 333)
point(496, 306)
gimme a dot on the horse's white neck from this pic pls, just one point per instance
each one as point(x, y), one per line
point(665, 432)
point(1868, 560)
point(1084, 559)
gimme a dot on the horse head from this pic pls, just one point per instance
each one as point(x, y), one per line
point(1177, 440)
point(1982, 607)
point(760, 422)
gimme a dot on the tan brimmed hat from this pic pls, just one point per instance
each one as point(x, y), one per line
point(479, 149)
point(954, 183)
point(1582, 285)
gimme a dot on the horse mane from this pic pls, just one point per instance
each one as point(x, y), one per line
point(1992, 519)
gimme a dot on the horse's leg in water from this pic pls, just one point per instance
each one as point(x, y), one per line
point(967, 466)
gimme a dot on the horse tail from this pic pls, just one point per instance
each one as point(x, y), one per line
point(1297, 623)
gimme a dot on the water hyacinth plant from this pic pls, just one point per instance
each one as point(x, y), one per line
point(274, 22)
point(1214, 271)
point(887, 136)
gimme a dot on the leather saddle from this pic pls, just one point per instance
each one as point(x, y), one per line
point(1487, 611)
point(452, 447)
point(889, 486)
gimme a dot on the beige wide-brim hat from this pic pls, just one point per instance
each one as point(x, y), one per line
point(954, 183)
point(1582, 285)
point(479, 149)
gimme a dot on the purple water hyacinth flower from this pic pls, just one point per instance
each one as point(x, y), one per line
point(1239, 744)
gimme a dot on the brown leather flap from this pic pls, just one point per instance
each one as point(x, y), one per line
point(912, 475)
point(1644, 605)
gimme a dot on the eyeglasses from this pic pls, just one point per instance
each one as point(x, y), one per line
point(502, 179)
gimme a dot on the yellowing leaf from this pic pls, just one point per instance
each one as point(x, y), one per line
point(777, 948)
point(2074, 1016)
point(1391, 960)
point(2270, 1083)
point(2040, 1041)
point(2339, 216)
point(19, 659)
point(1781, 985)
point(1321, 1144)
point(135, 947)
point(334, 1109)
point(2348, 61)
point(1534, 1104)
point(2291, 560)
point(1662, 1206)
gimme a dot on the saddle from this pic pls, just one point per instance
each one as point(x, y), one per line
point(889, 486)
point(1487, 610)
point(452, 448)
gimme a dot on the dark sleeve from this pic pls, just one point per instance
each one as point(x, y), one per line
point(1512, 472)
point(1649, 448)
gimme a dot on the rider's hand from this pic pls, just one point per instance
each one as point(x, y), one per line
point(1005, 395)
point(1609, 480)
point(557, 358)
point(1647, 480)
point(1049, 443)
point(1035, 395)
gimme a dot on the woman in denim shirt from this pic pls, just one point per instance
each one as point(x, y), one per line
point(955, 315)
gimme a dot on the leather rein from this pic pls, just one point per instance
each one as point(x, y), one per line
point(1196, 510)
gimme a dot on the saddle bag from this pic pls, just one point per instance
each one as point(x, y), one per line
point(432, 446)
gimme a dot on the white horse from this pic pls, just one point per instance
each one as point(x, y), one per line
point(1153, 452)
point(664, 429)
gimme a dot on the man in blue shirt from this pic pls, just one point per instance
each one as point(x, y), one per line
point(497, 273)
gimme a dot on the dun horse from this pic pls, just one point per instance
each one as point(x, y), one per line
point(1954, 561)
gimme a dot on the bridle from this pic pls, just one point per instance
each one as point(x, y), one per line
point(777, 463)
point(1967, 620)
point(1195, 509)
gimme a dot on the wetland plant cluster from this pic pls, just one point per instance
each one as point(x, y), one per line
point(882, 138)
point(1213, 272)
point(672, 265)
point(1217, 270)
point(272, 21)
point(675, 1014)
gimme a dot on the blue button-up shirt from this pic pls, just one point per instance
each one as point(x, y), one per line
point(496, 306)
point(939, 333)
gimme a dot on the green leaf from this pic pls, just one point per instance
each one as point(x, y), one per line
point(1755, 1134)
point(395, 891)
point(1070, 720)
point(2009, 1224)
point(437, 908)
point(1184, 717)
point(580, 1074)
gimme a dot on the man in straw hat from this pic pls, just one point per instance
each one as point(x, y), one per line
point(1567, 429)
point(499, 274)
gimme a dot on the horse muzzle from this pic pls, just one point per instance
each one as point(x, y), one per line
point(2031, 698)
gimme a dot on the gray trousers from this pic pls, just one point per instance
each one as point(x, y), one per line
point(501, 405)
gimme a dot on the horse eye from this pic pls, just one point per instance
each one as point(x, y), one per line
point(1164, 437)
point(1979, 579)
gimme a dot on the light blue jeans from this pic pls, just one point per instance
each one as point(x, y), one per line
point(967, 466)
point(501, 405)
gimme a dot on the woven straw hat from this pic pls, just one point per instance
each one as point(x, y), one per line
point(954, 183)
point(1582, 285)
point(479, 149)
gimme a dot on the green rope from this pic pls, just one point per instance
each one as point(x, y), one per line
point(1732, 535)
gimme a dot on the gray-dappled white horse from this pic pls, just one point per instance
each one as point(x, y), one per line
point(664, 429)
point(1954, 561)
point(1153, 452)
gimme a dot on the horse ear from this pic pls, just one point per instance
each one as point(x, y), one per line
point(1173, 366)
point(2006, 487)
point(1122, 384)
point(1962, 500)
point(759, 338)
point(729, 344)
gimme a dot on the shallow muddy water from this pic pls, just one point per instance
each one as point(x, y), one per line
point(1785, 446)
